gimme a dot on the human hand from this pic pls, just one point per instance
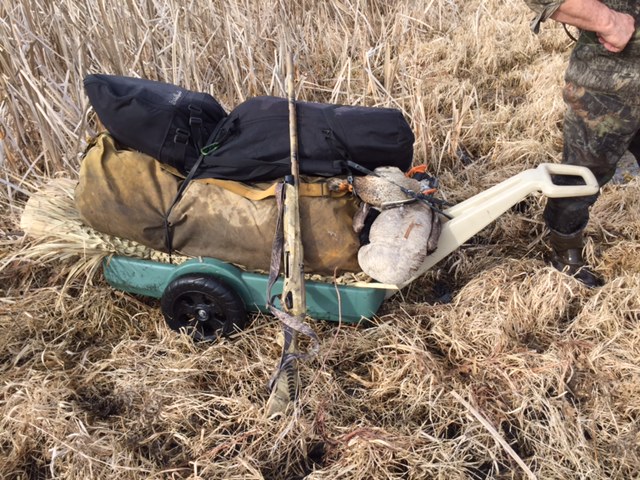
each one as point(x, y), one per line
point(618, 32)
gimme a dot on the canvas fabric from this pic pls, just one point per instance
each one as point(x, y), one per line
point(126, 194)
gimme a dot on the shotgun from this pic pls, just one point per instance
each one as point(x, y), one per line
point(284, 385)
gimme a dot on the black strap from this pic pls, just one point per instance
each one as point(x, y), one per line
point(278, 244)
point(180, 140)
point(359, 168)
point(430, 200)
point(220, 135)
point(334, 142)
point(569, 34)
point(195, 124)
point(337, 146)
point(168, 237)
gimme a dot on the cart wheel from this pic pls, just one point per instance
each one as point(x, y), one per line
point(203, 307)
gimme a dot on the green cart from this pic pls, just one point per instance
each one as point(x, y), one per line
point(208, 297)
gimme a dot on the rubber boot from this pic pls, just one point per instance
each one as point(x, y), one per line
point(567, 257)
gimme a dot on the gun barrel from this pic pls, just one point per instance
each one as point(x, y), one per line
point(293, 120)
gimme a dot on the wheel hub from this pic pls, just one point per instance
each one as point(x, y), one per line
point(202, 314)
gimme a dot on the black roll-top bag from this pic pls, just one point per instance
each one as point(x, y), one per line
point(167, 122)
point(252, 142)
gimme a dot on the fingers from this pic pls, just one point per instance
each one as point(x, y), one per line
point(616, 37)
point(609, 46)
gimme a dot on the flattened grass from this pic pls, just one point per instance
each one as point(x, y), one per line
point(524, 373)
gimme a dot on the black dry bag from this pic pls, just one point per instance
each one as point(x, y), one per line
point(167, 122)
point(252, 142)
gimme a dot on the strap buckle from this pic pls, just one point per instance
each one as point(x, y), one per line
point(181, 136)
point(194, 108)
point(195, 115)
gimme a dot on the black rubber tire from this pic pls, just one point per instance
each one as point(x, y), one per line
point(203, 307)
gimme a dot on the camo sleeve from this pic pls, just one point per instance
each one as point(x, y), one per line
point(544, 9)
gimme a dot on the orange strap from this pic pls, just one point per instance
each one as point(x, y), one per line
point(255, 193)
point(421, 169)
point(417, 169)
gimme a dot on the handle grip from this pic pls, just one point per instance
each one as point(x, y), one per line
point(552, 190)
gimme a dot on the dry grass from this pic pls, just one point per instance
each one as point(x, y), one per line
point(524, 374)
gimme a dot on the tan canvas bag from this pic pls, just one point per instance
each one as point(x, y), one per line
point(126, 194)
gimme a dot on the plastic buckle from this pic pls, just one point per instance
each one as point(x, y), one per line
point(181, 136)
point(207, 149)
point(396, 203)
point(195, 115)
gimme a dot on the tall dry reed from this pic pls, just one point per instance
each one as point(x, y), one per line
point(523, 374)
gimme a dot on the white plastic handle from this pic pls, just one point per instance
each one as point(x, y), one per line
point(475, 213)
point(552, 190)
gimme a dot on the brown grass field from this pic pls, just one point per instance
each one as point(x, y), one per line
point(524, 374)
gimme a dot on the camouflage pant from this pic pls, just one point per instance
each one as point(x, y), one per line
point(602, 121)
